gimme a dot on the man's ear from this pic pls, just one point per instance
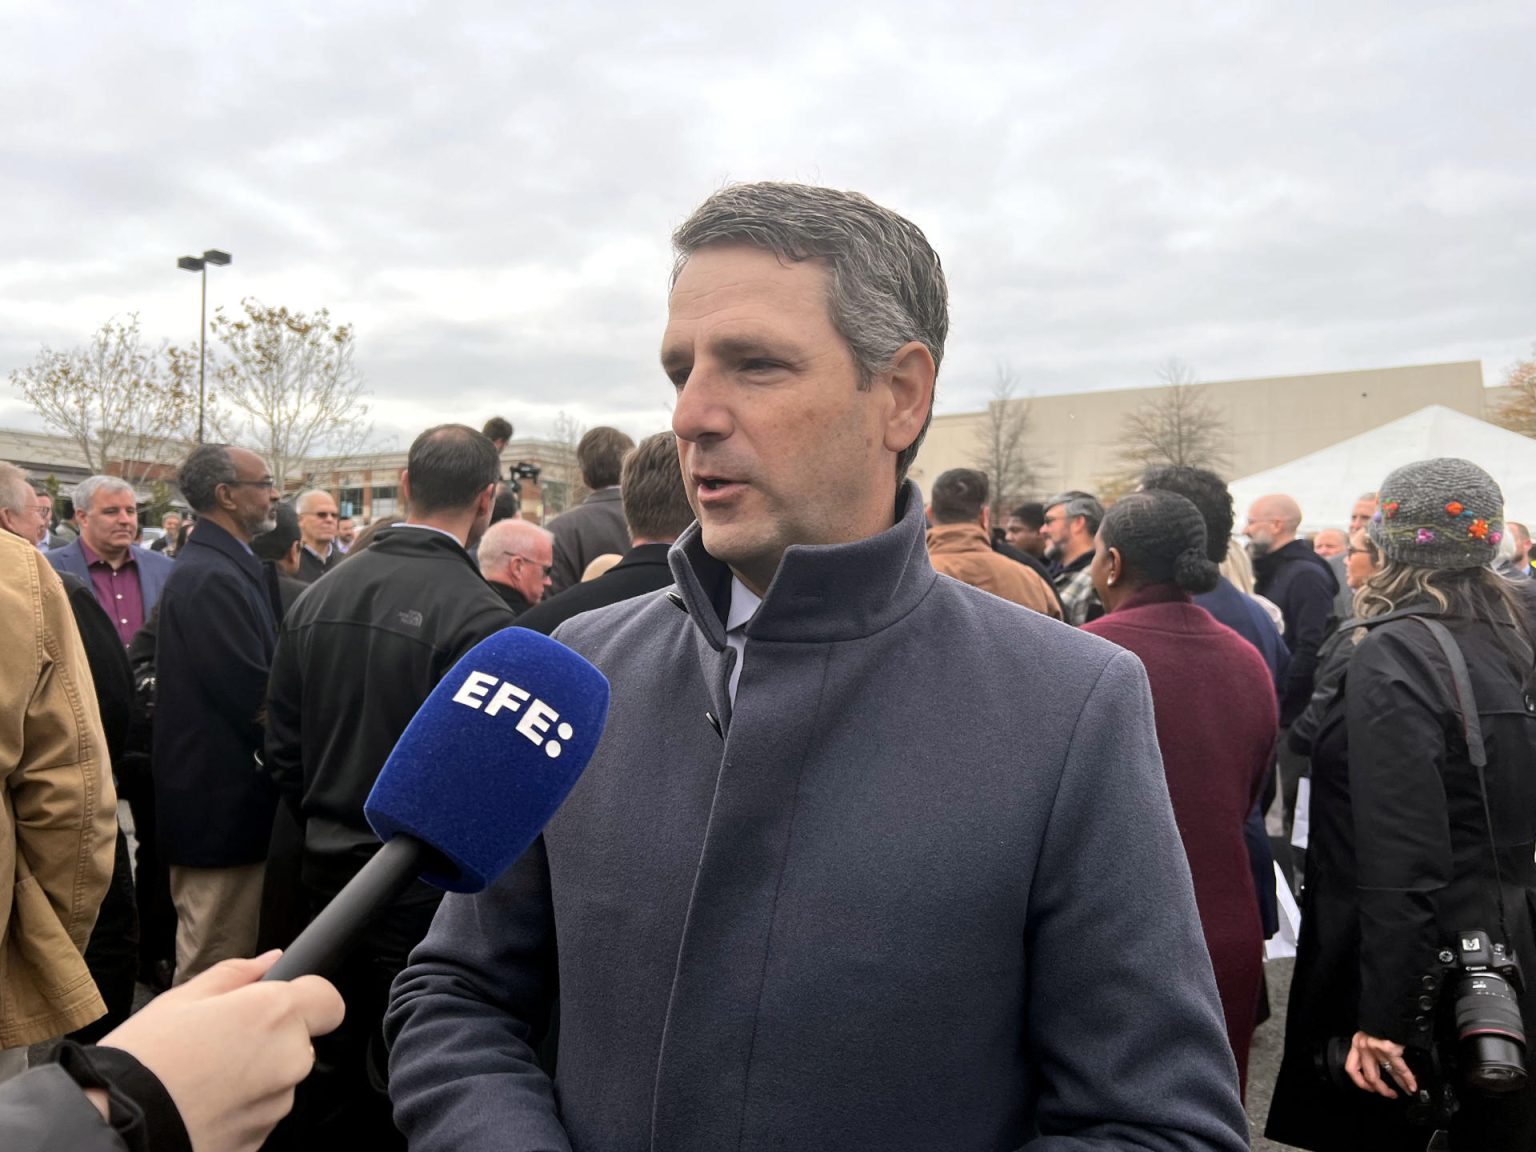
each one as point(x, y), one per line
point(909, 380)
point(986, 519)
point(405, 487)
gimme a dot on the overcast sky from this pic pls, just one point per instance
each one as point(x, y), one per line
point(486, 190)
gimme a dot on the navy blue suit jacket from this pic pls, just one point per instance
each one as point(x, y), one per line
point(216, 638)
point(154, 570)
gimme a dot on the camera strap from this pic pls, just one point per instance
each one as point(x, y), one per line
point(1465, 703)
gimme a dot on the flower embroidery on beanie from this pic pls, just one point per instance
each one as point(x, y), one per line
point(1454, 508)
point(1426, 536)
point(1479, 530)
point(1391, 509)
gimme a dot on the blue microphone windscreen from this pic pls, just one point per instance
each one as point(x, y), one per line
point(491, 755)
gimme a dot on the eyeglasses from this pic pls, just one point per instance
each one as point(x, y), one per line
point(1371, 552)
point(1056, 519)
point(549, 569)
point(267, 483)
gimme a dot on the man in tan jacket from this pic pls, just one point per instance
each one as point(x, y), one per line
point(58, 810)
point(960, 544)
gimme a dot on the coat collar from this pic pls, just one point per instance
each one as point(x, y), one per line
point(821, 593)
point(957, 538)
point(211, 535)
point(1154, 594)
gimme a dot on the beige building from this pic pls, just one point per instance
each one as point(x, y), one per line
point(1074, 441)
point(367, 486)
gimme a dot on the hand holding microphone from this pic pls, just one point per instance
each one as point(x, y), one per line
point(477, 774)
point(229, 1050)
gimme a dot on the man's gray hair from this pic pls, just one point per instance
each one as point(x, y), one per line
point(885, 282)
point(1075, 504)
point(510, 536)
point(16, 491)
point(303, 497)
point(85, 491)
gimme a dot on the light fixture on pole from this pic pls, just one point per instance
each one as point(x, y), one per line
point(200, 264)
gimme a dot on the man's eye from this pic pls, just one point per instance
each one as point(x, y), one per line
point(760, 365)
point(679, 376)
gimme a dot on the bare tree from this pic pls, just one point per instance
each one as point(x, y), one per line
point(124, 404)
point(288, 386)
point(1180, 425)
point(560, 483)
point(999, 449)
point(1517, 411)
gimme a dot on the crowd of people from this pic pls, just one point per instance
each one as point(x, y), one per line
point(909, 829)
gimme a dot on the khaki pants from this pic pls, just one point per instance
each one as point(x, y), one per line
point(217, 910)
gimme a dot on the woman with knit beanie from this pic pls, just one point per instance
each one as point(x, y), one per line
point(1214, 702)
point(1413, 850)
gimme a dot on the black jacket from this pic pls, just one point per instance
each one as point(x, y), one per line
point(643, 569)
point(1300, 583)
point(311, 567)
point(1398, 863)
point(215, 636)
point(511, 597)
point(359, 653)
point(108, 660)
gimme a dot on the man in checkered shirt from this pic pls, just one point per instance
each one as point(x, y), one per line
point(1071, 522)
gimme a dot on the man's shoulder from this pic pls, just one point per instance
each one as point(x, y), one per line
point(624, 623)
point(402, 585)
point(65, 558)
point(151, 561)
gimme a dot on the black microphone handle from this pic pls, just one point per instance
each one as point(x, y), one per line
point(333, 933)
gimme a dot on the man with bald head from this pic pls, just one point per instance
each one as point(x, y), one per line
point(515, 558)
point(1290, 574)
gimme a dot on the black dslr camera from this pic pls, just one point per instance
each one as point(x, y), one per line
point(523, 470)
point(1484, 982)
point(1482, 1035)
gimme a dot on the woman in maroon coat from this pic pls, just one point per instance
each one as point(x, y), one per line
point(1214, 701)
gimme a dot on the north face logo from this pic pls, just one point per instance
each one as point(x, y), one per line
point(410, 618)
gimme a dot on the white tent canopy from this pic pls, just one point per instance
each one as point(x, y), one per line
point(1326, 483)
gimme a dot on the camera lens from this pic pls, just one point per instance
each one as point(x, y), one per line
point(1491, 1033)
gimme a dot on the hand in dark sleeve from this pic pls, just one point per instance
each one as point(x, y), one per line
point(1397, 752)
point(1312, 600)
point(465, 1015)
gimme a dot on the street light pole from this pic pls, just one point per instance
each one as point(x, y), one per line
point(200, 264)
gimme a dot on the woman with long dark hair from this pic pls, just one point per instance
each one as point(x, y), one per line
point(1413, 849)
point(1214, 702)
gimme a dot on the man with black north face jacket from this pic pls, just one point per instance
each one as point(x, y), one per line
point(364, 648)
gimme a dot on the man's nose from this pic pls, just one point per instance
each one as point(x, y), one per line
point(701, 411)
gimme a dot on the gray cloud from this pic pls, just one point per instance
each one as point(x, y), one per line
point(487, 194)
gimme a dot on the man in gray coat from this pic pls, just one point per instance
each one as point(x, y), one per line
point(810, 893)
point(595, 526)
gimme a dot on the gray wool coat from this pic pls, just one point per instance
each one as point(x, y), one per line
point(922, 891)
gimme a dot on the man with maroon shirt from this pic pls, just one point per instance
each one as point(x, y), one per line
point(126, 578)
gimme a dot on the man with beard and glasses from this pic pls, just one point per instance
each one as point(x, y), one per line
point(216, 638)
